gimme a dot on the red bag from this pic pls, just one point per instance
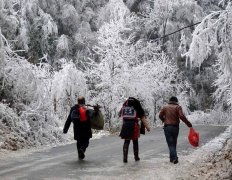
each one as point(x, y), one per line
point(193, 137)
point(83, 115)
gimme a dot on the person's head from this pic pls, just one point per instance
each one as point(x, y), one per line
point(130, 101)
point(173, 99)
point(81, 100)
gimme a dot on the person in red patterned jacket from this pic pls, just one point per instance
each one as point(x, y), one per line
point(131, 112)
point(170, 115)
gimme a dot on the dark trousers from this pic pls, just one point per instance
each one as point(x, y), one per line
point(135, 145)
point(82, 144)
point(171, 133)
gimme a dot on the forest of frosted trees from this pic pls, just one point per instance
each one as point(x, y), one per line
point(52, 51)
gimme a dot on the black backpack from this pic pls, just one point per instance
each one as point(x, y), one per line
point(75, 115)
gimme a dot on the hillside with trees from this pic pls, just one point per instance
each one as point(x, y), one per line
point(52, 51)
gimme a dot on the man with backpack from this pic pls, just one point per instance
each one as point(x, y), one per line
point(80, 116)
point(170, 115)
point(131, 113)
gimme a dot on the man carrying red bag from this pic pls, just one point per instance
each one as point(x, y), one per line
point(170, 115)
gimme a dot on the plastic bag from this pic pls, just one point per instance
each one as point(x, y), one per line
point(193, 137)
point(97, 121)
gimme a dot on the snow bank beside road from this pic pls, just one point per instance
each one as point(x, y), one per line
point(212, 161)
point(211, 117)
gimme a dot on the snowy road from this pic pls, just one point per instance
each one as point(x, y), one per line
point(103, 159)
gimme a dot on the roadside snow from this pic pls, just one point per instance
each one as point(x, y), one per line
point(22, 152)
point(100, 134)
point(211, 117)
point(212, 161)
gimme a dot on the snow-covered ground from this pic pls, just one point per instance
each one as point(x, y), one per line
point(212, 161)
point(211, 117)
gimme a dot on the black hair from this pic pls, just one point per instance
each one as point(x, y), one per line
point(131, 101)
point(174, 99)
point(81, 100)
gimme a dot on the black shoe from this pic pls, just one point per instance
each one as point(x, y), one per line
point(137, 158)
point(175, 161)
point(125, 155)
point(81, 154)
point(125, 160)
point(136, 154)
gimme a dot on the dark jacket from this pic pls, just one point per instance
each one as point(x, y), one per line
point(82, 130)
point(171, 113)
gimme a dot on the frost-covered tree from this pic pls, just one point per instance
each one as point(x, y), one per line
point(128, 69)
point(170, 16)
point(165, 17)
point(110, 11)
point(46, 44)
point(209, 5)
point(42, 34)
point(30, 94)
point(70, 20)
point(2, 58)
point(8, 21)
point(63, 46)
point(35, 97)
point(213, 36)
point(35, 26)
point(26, 118)
point(67, 84)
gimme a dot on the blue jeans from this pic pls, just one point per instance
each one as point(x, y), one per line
point(171, 133)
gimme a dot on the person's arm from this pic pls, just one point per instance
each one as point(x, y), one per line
point(120, 113)
point(183, 118)
point(67, 123)
point(96, 109)
point(161, 115)
point(141, 114)
point(146, 123)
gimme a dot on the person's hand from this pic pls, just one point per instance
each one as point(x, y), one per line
point(148, 129)
point(96, 108)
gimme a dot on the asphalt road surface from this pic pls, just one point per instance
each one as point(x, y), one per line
point(103, 157)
